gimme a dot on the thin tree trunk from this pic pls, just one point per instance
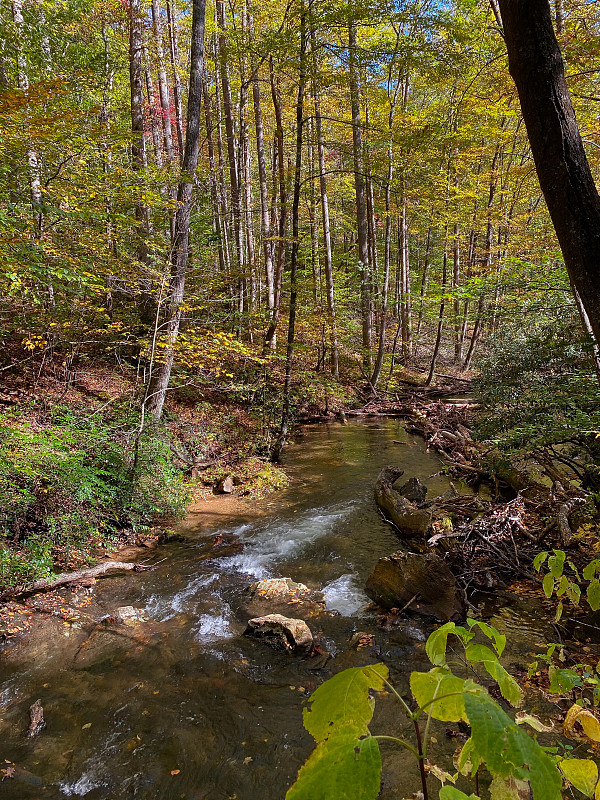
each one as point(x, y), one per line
point(163, 88)
point(262, 183)
point(440, 326)
point(361, 204)
point(174, 54)
point(159, 383)
point(218, 212)
point(287, 392)
point(270, 340)
point(328, 259)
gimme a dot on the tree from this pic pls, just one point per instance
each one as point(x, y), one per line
point(537, 68)
point(159, 384)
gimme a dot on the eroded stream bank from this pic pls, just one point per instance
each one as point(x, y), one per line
point(184, 706)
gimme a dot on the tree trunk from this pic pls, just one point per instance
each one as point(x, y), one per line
point(163, 88)
point(536, 65)
point(329, 285)
point(262, 183)
point(361, 203)
point(174, 54)
point(289, 359)
point(179, 258)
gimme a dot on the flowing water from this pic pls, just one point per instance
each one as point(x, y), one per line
point(185, 707)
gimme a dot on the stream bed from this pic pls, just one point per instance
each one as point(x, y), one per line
point(188, 708)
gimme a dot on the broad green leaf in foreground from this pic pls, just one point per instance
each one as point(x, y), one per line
point(439, 682)
point(437, 643)
point(506, 748)
point(344, 700)
point(343, 767)
point(510, 689)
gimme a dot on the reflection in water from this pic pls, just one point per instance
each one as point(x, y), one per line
point(184, 707)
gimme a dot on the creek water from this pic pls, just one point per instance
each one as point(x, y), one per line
point(189, 708)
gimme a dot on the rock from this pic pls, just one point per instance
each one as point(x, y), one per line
point(36, 714)
point(282, 596)
point(128, 615)
point(281, 632)
point(278, 589)
point(226, 485)
point(414, 491)
point(407, 518)
point(425, 579)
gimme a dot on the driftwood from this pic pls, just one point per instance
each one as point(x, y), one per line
point(406, 516)
point(72, 577)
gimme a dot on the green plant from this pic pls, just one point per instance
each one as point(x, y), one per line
point(569, 585)
point(346, 762)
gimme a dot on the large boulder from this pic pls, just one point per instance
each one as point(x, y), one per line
point(425, 579)
point(406, 517)
point(283, 633)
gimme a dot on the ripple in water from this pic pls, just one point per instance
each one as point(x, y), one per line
point(345, 595)
point(165, 608)
point(281, 540)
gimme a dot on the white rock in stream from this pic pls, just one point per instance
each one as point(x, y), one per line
point(281, 632)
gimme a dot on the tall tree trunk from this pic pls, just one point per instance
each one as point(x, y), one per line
point(404, 264)
point(174, 55)
point(289, 359)
point(327, 254)
point(159, 382)
point(219, 215)
point(270, 340)
point(163, 87)
point(361, 203)
point(440, 326)
point(236, 200)
point(536, 65)
point(265, 226)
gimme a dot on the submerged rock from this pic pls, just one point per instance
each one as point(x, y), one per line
point(282, 596)
point(424, 579)
point(128, 615)
point(406, 517)
point(281, 632)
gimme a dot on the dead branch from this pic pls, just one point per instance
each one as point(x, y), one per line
point(65, 578)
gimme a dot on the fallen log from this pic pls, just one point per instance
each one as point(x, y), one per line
point(65, 578)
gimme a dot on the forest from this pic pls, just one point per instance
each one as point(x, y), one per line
point(227, 226)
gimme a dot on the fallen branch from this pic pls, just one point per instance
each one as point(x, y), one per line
point(71, 577)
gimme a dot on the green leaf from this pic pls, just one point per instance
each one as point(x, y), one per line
point(557, 563)
point(593, 594)
point(437, 644)
point(452, 793)
point(506, 748)
point(344, 700)
point(498, 638)
point(590, 570)
point(559, 612)
point(581, 772)
point(539, 560)
point(548, 584)
point(343, 767)
point(563, 681)
point(439, 682)
point(480, 652)
point(509, 688)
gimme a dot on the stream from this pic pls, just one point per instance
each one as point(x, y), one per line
point(189, 708)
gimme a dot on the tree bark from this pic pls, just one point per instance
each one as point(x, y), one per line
point(361, 202)
point(536, 65)
point(174, 54)
point(289, 359)
point(160, 380)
